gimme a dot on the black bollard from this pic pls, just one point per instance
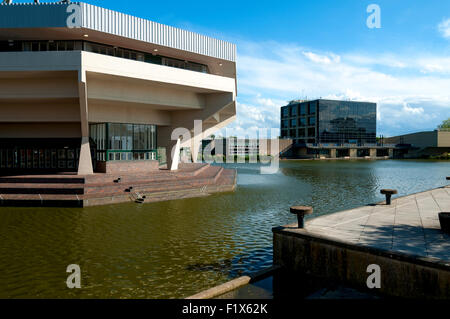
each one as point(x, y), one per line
point(301, 211)
point(388, 193)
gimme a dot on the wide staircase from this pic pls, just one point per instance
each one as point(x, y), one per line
point(191, 180)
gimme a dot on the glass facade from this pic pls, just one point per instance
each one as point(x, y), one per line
point(48, 45)
point(294, 110)
point(347, 122)
point(124, 142)
point(330, 122)
point(55, 155)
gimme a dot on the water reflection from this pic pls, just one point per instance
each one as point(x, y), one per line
point(175, 249)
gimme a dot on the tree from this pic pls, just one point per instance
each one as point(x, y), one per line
point(445, 124)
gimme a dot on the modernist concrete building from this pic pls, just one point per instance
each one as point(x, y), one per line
point(84, 89)
point(233, 146)
point(332, 129)
point(431, 143)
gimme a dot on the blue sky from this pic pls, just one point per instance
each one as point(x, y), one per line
point(323, 48)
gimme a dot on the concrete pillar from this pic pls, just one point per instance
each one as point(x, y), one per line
point(195, 149)
point(333, 153)
point(353, 153)
point(173, 160)
point(85, 160)
point(172, 146)
point(373, 152)
point(196, 140)
point(391, 153)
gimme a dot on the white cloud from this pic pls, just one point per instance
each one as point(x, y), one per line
point(411, 110)
point(411, 90)
point(322, 59)
point(444, 28)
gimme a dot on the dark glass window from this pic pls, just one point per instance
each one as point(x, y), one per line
point(302, 121)
point(344, 121)
point(301, 132)
point(50, 45)
point(312, 120)
point(124, 142)
point(294, 110)
point(303, 109)
point(292, 133)
point(34, 46)
point(285, 124)
point(286, 112)
point(293, 123)
point(312, 108)
point(311, 132)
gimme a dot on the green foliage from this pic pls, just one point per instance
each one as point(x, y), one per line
point(445, 124)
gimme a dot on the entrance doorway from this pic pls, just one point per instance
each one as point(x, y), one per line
point(30, 156)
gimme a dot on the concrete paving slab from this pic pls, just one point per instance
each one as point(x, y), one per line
point(409, 226)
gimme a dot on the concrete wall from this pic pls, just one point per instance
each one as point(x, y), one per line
point(421, 139)
point(84, 87)
point(443, 139)
point(401, 276)
point(102, 111)
point(115, 167)
point(40, 130)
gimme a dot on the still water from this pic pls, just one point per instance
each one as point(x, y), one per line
point(175, 249)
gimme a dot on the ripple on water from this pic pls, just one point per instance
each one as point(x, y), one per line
point(175, 249)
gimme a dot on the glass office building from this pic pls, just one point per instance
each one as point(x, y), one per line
point(329, 122)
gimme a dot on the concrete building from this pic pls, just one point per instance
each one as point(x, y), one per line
point(86, 89)
point(333, 129)
point(245, 147)
point(432, 143)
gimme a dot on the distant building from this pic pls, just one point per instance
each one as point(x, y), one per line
point(331, 129)
point(244, 147)
point(422, 143)
point(327, 121)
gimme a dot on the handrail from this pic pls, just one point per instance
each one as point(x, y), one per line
point(153, 155)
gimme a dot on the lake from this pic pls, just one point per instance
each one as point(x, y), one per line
point(178, 248)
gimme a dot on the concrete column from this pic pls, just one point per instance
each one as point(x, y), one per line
point(391, 153)
point(353, 153)
point(373, 152)
point(195, 149)
point(85, 160)
point(196, 140)
point(172, 147)
point(333, 153)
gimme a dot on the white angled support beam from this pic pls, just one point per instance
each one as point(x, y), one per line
point(174, 161)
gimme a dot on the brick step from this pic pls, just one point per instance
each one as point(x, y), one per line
point(155, 187)
point(62, 190)
point(14, 200)
point(160, 187)
point(185, 171)
point(206, 176)
point(201, 180)
point(141, 191)
point(38, 197)
point(174, 185)
point(34, 185)
point(41, 180)
point(162, 175)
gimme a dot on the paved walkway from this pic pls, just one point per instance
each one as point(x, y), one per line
point(410, 225)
